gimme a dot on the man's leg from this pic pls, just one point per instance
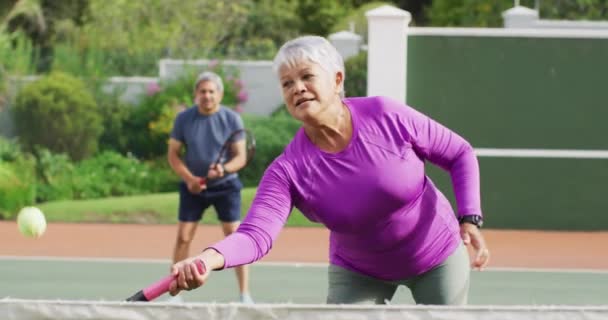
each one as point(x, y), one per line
point(191, 208)
point(185, 235)
point(228, 207)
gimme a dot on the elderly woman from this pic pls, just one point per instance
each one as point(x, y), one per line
point(357, 167)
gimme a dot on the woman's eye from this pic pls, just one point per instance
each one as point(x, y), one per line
point(286, 84)
point(307, 76)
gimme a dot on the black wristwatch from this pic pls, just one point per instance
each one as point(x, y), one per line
point(472, 219)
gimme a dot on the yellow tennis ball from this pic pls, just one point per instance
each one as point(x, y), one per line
point(31, 222)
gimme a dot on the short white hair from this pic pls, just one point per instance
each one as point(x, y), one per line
point(313, 48)
point(210, 76)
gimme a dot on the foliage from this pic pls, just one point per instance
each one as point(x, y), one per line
point(54, 175)
point(574, 9)
point(357, 17)
point(86, 62)
point(472, 13)
point(111, 174)
point(38, 20)
point(355, 83)
point(16, 54)
point(269, 24)
point(467, 13)
point(174, 28)
point(58, 113)
point(115, 115)
point(10, 150)
point(417, 8)
point(17, 187)
point(318, 17)
point(272, 134)
point(17, 178)
point(105, 175)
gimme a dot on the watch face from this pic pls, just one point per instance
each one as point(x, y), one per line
point(476, 220)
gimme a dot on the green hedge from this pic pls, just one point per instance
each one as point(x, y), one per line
point(17, 187)
point(272, 134)
point(58, 112)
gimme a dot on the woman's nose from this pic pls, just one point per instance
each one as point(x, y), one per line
point(299, 87)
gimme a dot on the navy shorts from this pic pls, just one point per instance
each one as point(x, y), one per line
point(225, 198)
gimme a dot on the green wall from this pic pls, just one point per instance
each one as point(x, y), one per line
point(538, 93)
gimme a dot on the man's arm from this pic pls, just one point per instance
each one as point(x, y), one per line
point(178, 166)
point(238, 157)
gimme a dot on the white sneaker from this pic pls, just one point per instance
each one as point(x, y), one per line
point(246, 298)
point(175, 299)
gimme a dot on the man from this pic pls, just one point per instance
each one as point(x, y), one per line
point(202, 130)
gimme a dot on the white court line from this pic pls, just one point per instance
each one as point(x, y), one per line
point(278, 264)
point(542, 153)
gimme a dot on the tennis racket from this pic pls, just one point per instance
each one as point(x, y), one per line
point(160, 287)
point(225, 153)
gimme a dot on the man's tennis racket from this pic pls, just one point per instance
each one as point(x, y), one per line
point(160, 287)
point(225, 153)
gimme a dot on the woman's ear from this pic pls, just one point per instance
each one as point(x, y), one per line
point(339, 80)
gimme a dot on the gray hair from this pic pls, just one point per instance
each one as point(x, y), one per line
point(210, 76)
point(313, 48)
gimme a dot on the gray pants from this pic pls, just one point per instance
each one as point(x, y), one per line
point(446, 284)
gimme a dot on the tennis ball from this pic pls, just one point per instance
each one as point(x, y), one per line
point(31, 222)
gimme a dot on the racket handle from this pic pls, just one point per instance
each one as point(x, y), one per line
point(202, 181)
point(162, 286)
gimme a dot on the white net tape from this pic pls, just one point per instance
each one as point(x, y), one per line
point(48, 309)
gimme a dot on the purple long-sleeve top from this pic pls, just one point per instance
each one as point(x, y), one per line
point(386, 218)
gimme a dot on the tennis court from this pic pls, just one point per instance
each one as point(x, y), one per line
point(114, 280)
point(110, 262)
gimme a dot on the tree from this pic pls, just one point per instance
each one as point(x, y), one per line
point(173, 28)
point(38, 20)
point(269, 24)
point(317, 17)
point(574, 9)
point(474, 13)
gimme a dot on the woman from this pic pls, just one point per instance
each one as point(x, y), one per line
point(357, 166)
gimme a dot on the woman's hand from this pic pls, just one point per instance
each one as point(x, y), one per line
point(188, 275)
point(471, 236)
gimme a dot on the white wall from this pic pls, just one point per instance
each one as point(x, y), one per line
point(387, 52)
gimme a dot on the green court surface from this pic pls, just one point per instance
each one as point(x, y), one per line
point(115, 280)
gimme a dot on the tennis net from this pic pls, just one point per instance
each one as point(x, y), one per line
point(49, 309)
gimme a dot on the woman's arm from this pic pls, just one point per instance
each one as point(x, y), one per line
point(253, 239)
point(266, 217)
point(448, 150)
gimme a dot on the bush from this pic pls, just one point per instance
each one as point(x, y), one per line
point(115, 116)
point(58, 113)
point(17, 186)
point(111, 174)
point(272, 134)
point(54, 173)
point(107, 174)
point(10, 151)
point(355, 84)
point(358, 18)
